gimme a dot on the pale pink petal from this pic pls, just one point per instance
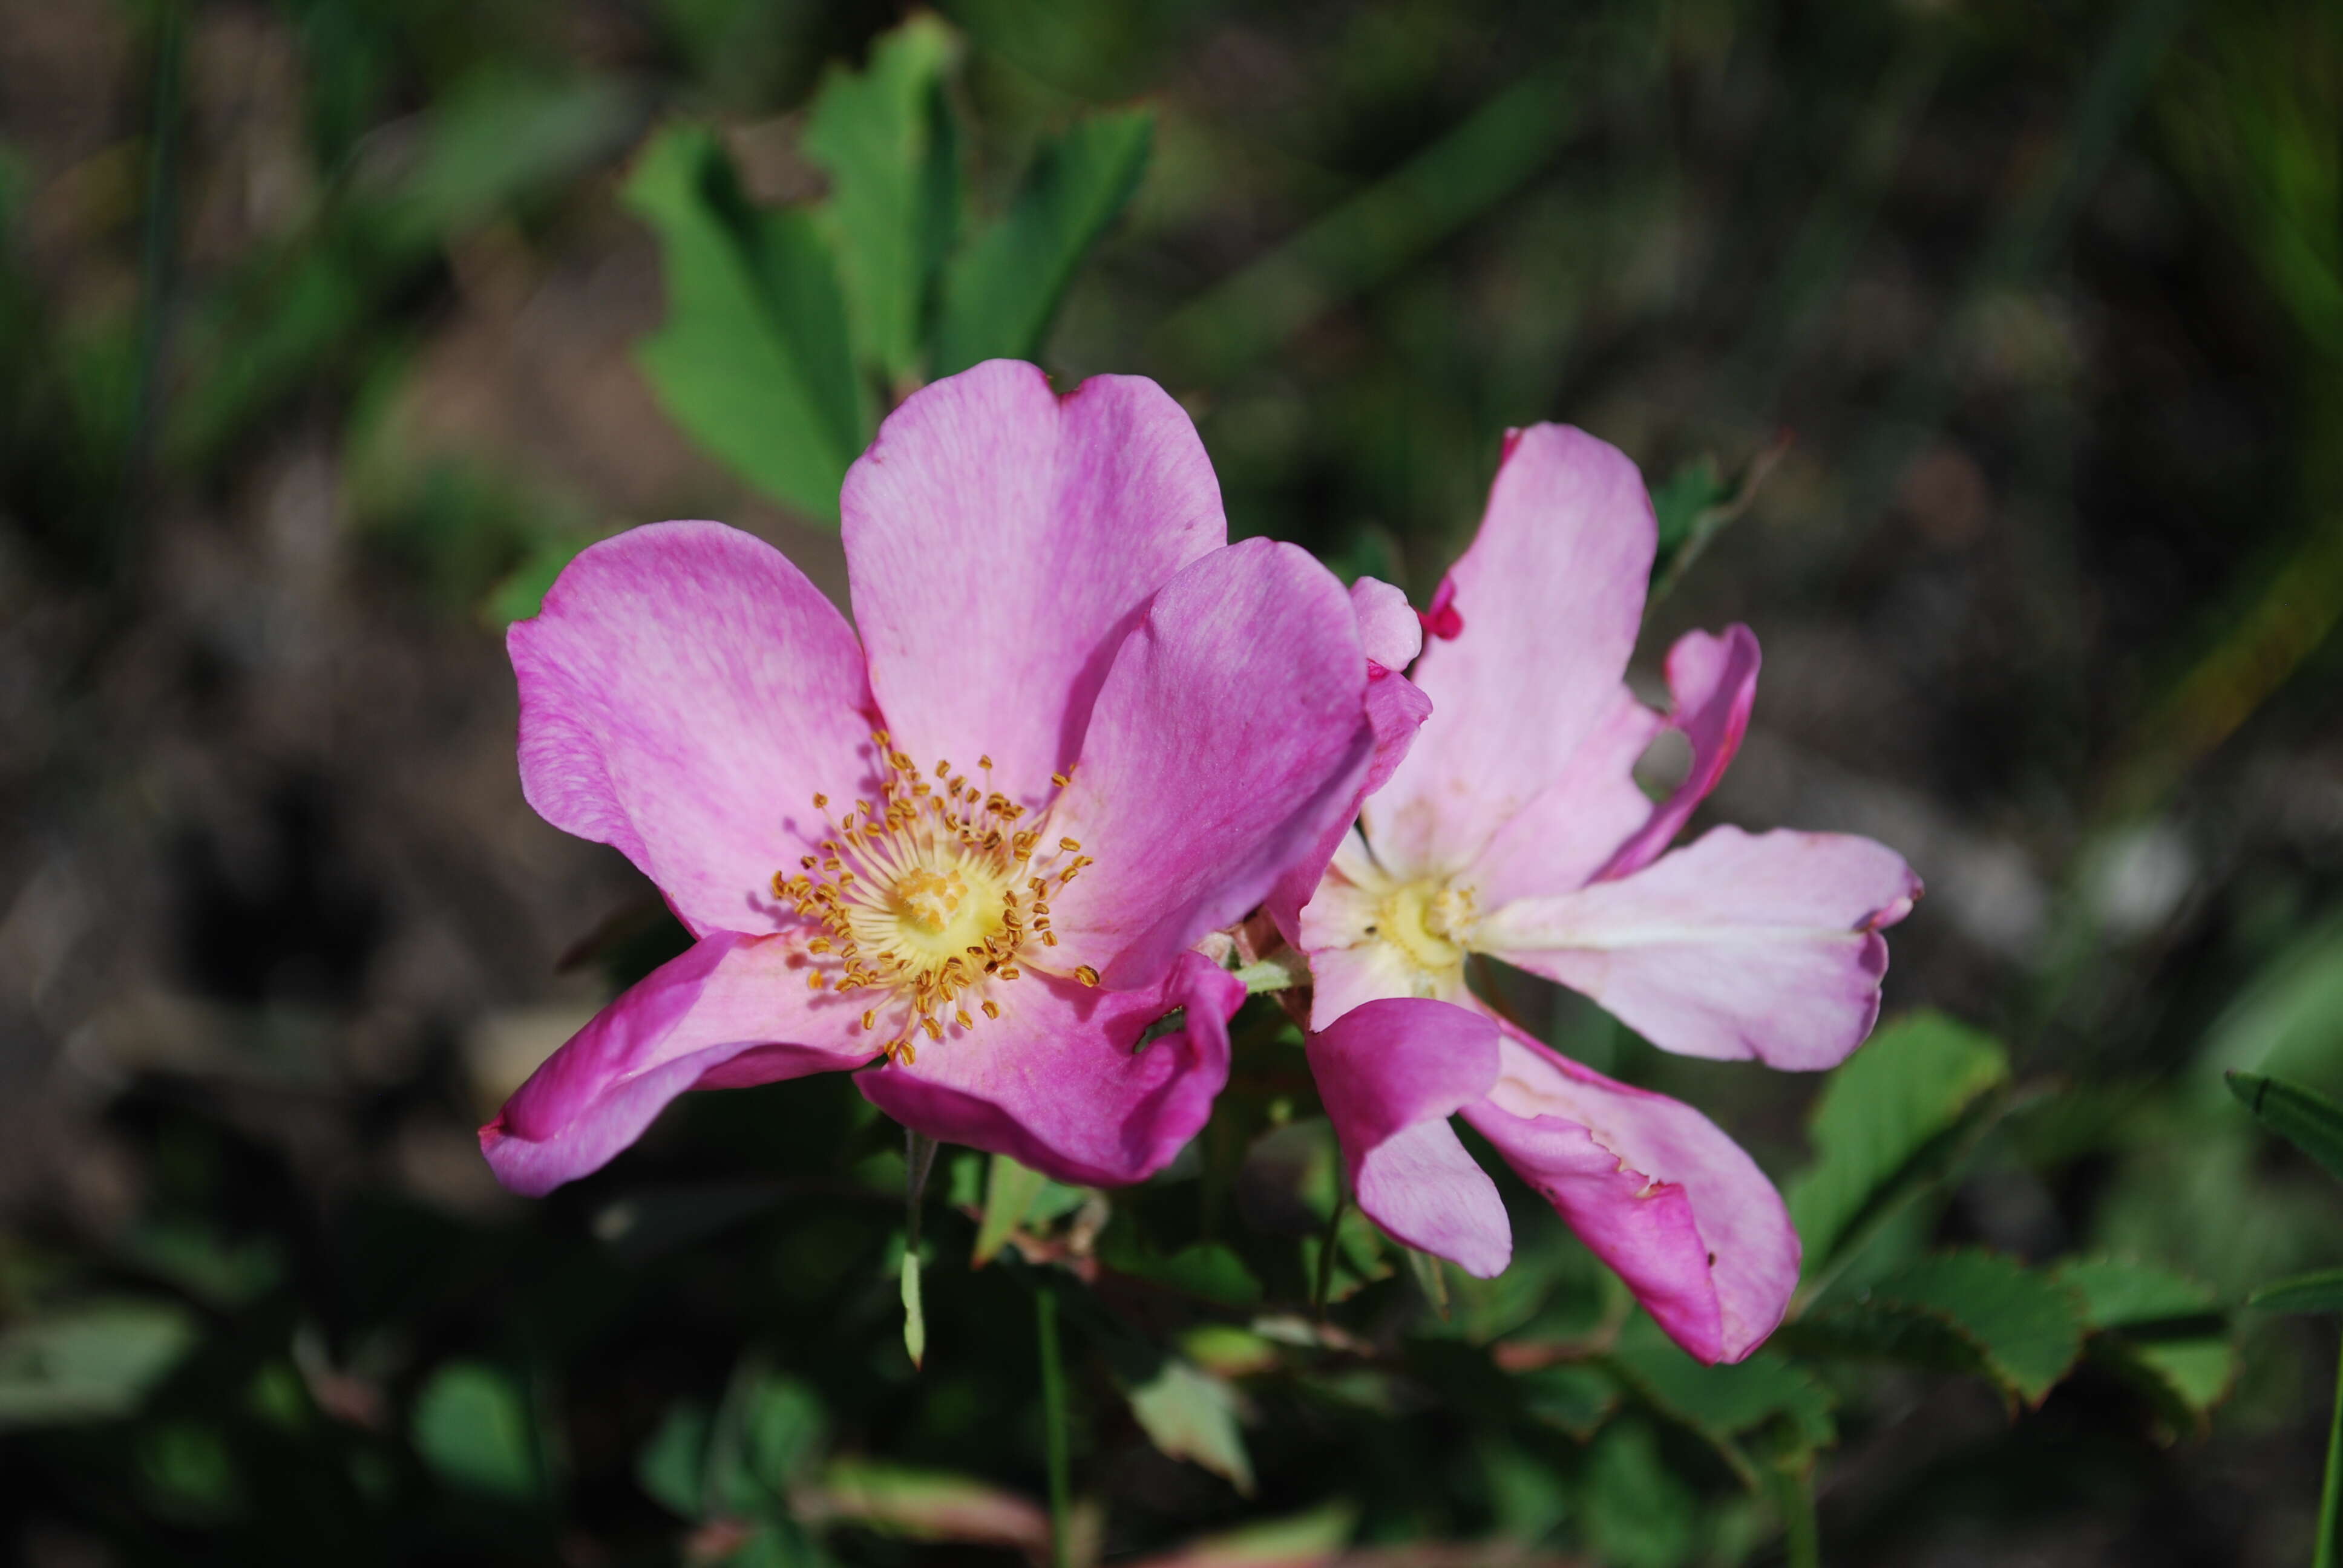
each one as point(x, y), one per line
point(1390, 1074)
point(1550, 595)
point(1714, 681)
point(1227, 743)
point(1573, 826)
point(1764, 946)
point(684, 693)
point(1391, 632)
point(1062, 1083)
point(1001, 540)
point(732, 1012)
point(1350, 963)
point(1654, 1190)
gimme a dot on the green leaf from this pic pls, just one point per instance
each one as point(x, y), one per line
point(1575, 1397)
point(1206, 1268)
point(915, 1317)
point(886, 137)
point(2316, 1292)
point(752, 361)
point(1887, 1107)
point(1300, 1540)
point(1190, 1414)
point(927, 1505)
point(1637, 1512)
point(1002, 292)
point(1009, 1194)
point(672, 1465)
point(2158, 1331)
point(498, 137)
point(1970, 1311)
point(766, 1437)
point(2304, 1118)
point(1722, 1402)
point(473, 1426)
point(522, 592)
point(89, 1361)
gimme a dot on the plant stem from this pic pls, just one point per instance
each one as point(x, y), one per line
point(2330, 1494)
point(1802, 1544)
point(1324, 1285)
point(1053, 1418)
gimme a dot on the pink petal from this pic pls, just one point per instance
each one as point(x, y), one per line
point(1654, 1190)
point(1391, 632)
point(1229, 742)
point(1391, 1074)
point(1550, 595)
point(1575, 825)
point(1764, 946)
point(1714, 681)
point(731, 1012)
point(1000, 541)
point(683, 694)
point(1350, 964)
point(1060, 1083)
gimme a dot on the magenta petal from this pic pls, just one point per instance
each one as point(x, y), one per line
point(1228, 742)
point(1550, 595)
point(1000, 539)
point(1714, 681)
point(730, 1012)
point(1391, 633)
point(683, 694)
point(1391, 1074)
point(1060, 1081)
point(1573, 826)
point(1764, 946)
point(1656, 1191)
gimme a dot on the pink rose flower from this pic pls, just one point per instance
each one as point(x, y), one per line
point(1514, 827)
point(1079, 731)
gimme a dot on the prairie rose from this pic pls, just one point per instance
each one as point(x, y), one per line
point(1515, 829)
point(1079, 731)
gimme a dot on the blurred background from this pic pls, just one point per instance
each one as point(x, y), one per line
point(1988, 358)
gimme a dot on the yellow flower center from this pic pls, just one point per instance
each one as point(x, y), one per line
point(932, 898)
point(1431, 922)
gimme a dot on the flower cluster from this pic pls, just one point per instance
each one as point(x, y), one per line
point(1167, 732)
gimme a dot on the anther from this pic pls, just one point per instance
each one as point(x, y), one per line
point(935, 1031)
point(821, 802)
point(962, 1018)
point(1060, 779)
point(869, 1019)
point(1087, 975)
point(1069, 846)
point(991, 1009)
point(814, 981)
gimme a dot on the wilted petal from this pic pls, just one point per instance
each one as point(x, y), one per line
point(1228, 742)
point(1764, 946)
point(1061, 1082)
point(1001, 540)
point(1654, 1190)
point(1714, 681)
point(684, 693)
point(731, 1012)
point(1389, 631)
point(1550, 595)
point(1390, 1074)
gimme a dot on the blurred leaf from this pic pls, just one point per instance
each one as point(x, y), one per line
point(886, 137)
point(2159, 1330)
point(925, 1505)
point(753, 360)
point(1203, 1269)
point(88, 1361)
point(1190, 1414)
point(1229, 1350)
point(1723, 1402)
point(1694, 507)
point(915, 1317)
point(190, 1471)
point(205, 1264)
point(2315, 1293)
point(673, 1466)
point(1637, 1513)
point(2288, 1018)
point(1969, 1311)
point(2309, 1120)
point(472, 1425)
point(1300, 1540)
point(522, 592)
point(768, 1433)
point(1009, 1194)
point(1002, 292)
point(1577, 1398)
point(498, 137)
point(1885, 1109)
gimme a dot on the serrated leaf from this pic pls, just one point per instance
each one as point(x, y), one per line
point(1009, 1194)
point(2303, 1117)
point(752, 361)
point(89, 1361)
point(1725, 1401)
point(2316, 1292)
point(1880, 1112)
point(1969, 1311)
point(1188, 1414)
point(2159, 1330)
point(1002, 292)
point(886, 137)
